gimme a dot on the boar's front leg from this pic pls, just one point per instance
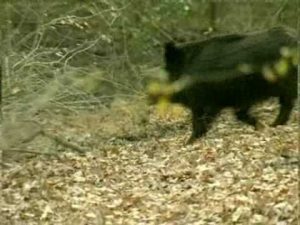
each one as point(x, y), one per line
point(286, 106)
point(201, 121)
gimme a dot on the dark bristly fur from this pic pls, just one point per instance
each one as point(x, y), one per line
point(219, 84)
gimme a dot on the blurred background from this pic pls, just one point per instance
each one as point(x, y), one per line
point(81, 55)
point(86, 64)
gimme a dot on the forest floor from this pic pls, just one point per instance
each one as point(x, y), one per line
point(138, 170)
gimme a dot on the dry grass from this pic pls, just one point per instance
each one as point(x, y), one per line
point(138, 171)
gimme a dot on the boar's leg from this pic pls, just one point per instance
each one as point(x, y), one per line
point(243, 115)
point(201, 120)
point(286, 106)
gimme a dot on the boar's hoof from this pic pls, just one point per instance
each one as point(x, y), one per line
point(191, 140)
point(260, 126)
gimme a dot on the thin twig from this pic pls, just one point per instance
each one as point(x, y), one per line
point(65, 143)
point(27, 151)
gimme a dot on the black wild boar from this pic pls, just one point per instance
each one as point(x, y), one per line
point(216, 68)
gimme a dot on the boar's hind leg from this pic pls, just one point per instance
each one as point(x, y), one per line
point(286, 106)
point(244, 116)
point(201, 121)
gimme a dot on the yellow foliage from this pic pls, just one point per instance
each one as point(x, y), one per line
point(163, 105)
point(282, 67)
point(269, 74)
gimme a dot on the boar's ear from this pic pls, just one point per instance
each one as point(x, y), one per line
point(173, 54)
